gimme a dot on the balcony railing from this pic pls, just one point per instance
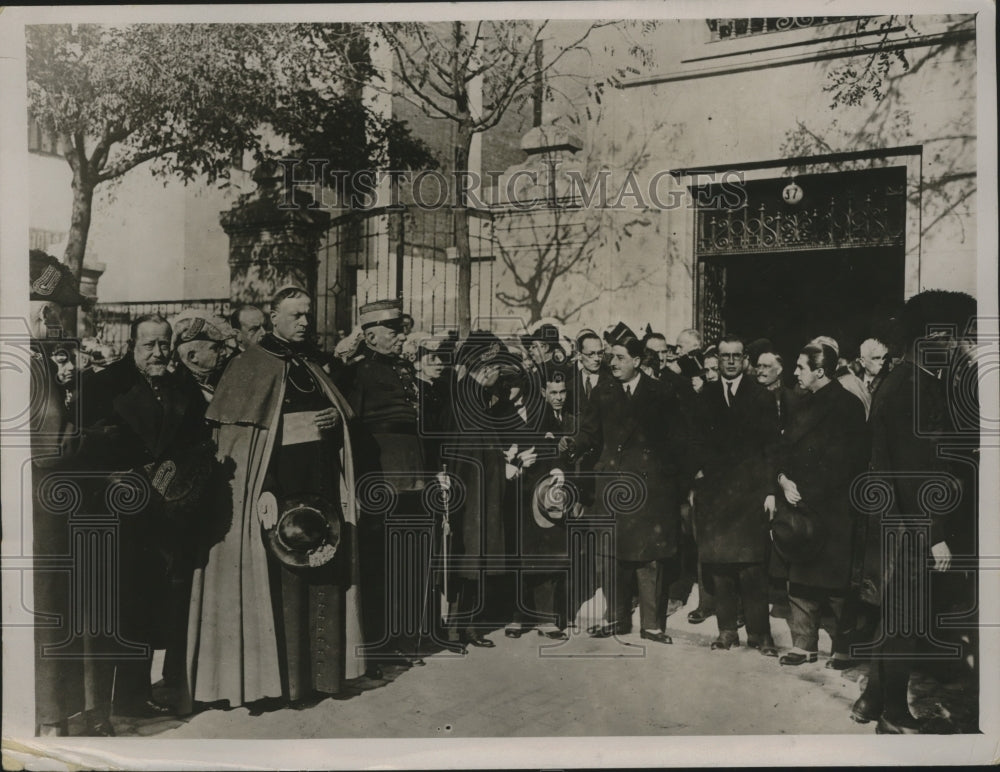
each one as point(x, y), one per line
point(727, 29)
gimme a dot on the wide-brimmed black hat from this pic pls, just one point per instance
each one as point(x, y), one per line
point(52, 280)
point(797, 533)
point(307, 532)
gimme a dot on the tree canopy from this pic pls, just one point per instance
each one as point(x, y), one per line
point(192, 99)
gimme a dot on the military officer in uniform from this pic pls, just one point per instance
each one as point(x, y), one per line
point(381, 386)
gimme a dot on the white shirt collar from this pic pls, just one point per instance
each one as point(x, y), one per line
point(735, 382)
point(635, 380)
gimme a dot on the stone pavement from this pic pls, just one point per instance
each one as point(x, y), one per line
point(533, 687)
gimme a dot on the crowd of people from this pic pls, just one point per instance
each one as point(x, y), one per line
point(271, 484)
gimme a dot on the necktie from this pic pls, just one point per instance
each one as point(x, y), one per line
point(558, 417)
point(729, 393)
point(587, 386)
point(628, 391)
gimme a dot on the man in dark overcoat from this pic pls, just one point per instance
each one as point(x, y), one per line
point(918, 444)
point(482, 451)
point(139, 417)
point(67, 681)
point(635, 426)
point(541, 537)
point(824, 449)
point(736, 441)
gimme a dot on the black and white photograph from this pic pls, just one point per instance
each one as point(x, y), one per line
point(488, 385)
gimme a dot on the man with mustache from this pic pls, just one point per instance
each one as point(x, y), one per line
point(139, 417)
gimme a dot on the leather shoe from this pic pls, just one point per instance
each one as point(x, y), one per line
point(904, 724)
point(146, 709)
point(478, 640)
point(673, 606)
point(102, 728)
point(655, 637)
point(865, 709)
point(555, 635)
point(765, 645)
point(726, 640)
point(699, 615)
point(606, 631)
point(835, 663)
point(513, 633)
point(796, 658)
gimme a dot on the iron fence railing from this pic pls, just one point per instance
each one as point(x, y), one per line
point(111, 320)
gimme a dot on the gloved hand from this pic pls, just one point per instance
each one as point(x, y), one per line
point(267, 510)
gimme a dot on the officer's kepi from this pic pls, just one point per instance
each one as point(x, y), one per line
point(382, 313)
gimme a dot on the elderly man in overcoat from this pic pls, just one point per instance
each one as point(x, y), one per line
point(736, 440)
point(634, 425)
point(140, 418)
point(823, 450)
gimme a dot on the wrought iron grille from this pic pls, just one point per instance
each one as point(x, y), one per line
point(871, 219)
point(725, 29)
point(408, 253)
point(712, 293)
point(111, 320)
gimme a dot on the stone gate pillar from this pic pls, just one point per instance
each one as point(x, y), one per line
point(272, 244)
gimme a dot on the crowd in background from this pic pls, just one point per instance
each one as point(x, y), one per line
point(274, 475)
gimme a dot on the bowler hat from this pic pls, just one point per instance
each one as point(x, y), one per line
point(51, 280)
point(797, 533)
point(307, 532)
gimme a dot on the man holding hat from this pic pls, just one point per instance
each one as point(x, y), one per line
point(822, 451)
point(140, 418)
point(275, 603)
point(381, 387)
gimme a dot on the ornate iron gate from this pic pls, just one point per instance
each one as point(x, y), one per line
point(405, 252)
point(859, 209)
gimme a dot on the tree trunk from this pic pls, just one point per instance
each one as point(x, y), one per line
point(463, 142)
point(79, 229)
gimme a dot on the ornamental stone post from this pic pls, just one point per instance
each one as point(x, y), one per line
point(274, 237)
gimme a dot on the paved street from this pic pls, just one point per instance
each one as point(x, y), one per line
point(525, 688)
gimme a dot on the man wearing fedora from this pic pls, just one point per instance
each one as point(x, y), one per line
point(735, 439)
point(275, 599)
point(635, 426)
point(822, 451)
point(381, 387)
point(141, 418)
